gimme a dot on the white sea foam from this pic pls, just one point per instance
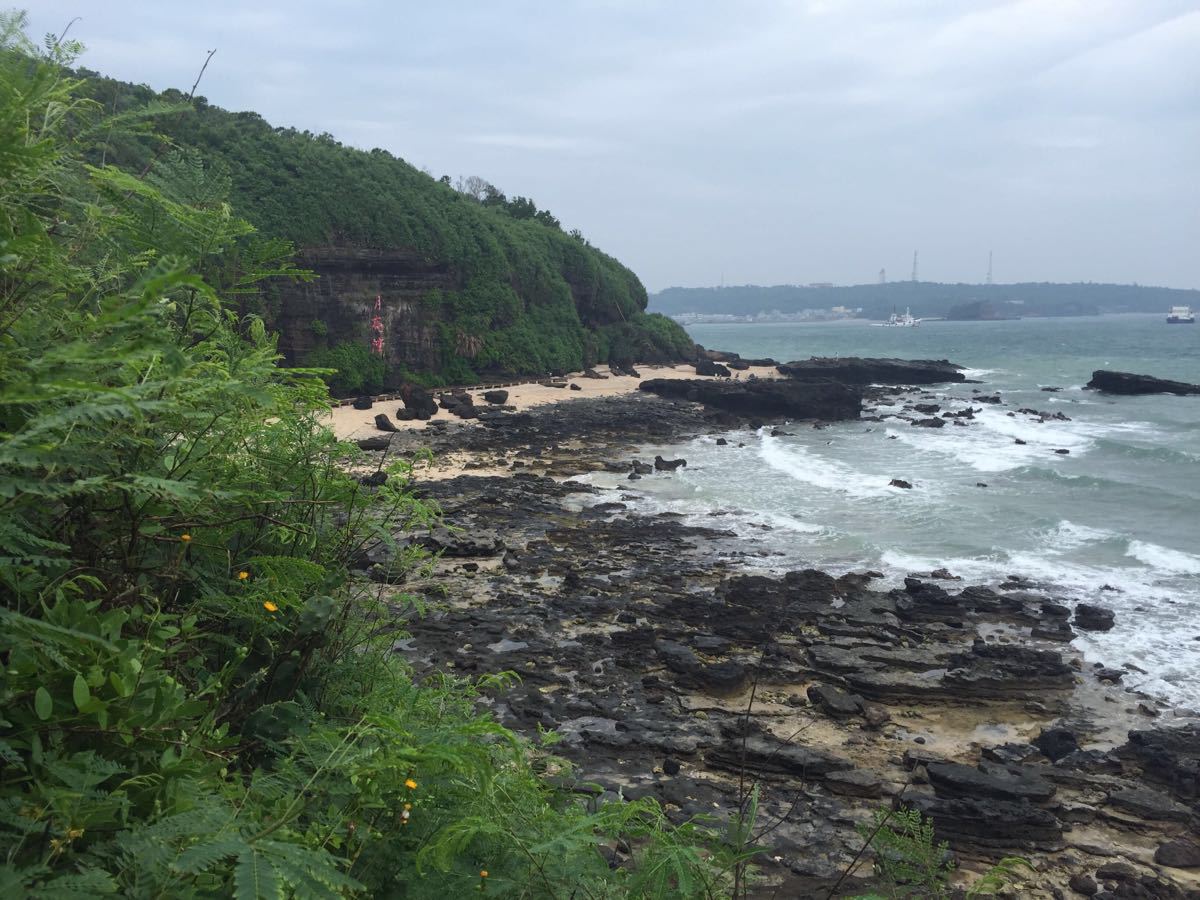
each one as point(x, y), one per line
point(800, 465)
point(990, 445)
point(1070, 435)
point(1164, 559)
point(1069, 536)
point(979, 374)
point(974, 447)
point(1154, 622)
point(790, 523)
point(704, 513)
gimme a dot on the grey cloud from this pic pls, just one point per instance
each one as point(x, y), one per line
point(773, 141)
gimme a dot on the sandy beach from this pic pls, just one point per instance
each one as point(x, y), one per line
point(353, 424)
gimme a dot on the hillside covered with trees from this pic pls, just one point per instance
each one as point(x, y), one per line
point(925, 298)
point(199, 698)
point(486, 284)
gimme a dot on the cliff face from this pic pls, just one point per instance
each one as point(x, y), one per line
point(468, 287)
point(342, 298)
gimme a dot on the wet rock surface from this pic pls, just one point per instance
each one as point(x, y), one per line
point(670, 671)
point(1128, 383)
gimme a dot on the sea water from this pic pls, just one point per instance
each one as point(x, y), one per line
point(1115, 522)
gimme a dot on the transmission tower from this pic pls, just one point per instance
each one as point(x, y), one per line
point(989, 278)
point(914, 275)
point(883, 276)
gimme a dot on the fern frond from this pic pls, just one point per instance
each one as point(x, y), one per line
point(255, 878)
point(203, 856)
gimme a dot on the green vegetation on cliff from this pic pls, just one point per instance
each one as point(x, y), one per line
point(198, 698)
point(526, 297)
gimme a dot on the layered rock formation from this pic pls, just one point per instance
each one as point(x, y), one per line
point(860, 370)
point(779, 398)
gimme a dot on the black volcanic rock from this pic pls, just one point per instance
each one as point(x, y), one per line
point(708, 367)
point(1128, 383)
point(731, 359)
point(1179, 854)
point(861, 370)
point(668, 465)
point(376, 442)
point(834, 701)
point(775, 398)
point(1056, 743)
point(1090, 617)
point(989, 780)
point(984, 822)
point(1004, 670)
point(755, 753)
point(1169, 757)
point(1149, 804)
point(418, 400)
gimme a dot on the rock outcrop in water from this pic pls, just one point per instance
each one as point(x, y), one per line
point(818, 399)
point(1128, 383)
point(863, 370)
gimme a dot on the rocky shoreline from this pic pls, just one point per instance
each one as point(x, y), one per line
point(669, 671)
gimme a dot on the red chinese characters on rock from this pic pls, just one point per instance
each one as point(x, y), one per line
point(377, 327)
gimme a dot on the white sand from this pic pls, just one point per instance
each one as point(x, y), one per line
point(353, 424)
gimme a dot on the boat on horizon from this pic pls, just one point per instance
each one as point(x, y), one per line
point(899, 321)
point(1181, 315)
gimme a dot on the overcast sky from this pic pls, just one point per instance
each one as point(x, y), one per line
point(751, 141)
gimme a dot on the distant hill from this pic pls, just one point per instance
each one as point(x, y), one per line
point(925, 298)
point(471, 283)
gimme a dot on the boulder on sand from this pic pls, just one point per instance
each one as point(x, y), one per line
point(419, 400)
point(378, 442)
point(383, 423)
point(497, 397)
point(708, 367)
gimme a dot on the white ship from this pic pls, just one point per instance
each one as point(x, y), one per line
point(899, 321)
point(1181, 315)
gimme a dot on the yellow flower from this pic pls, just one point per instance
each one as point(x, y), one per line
point(242, 576)
point(185, 537)
point(483, 873)
point(271, 607)
point(407, 807)
point(410, 784)
point(74, 833)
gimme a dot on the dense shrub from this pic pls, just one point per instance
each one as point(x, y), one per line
point(356, 369)
point(197, 698)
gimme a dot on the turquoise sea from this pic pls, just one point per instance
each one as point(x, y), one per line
point(1116, 521)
